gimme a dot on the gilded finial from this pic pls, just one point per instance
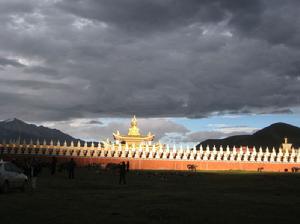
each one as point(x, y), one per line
point(133, 121)
point(133, 130)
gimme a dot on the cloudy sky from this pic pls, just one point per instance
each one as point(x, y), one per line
point(190, 69)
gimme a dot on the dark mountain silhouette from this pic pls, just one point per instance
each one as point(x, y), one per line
point(271, 136)
point(16, 129)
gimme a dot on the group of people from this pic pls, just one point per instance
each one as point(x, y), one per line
point(70, 167)
point(33, 167)
point(123, 169)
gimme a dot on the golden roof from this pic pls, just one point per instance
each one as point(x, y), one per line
point(133, 135)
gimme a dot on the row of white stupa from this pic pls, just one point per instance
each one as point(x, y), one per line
point(152, 152)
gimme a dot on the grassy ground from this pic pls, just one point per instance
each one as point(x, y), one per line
point(156, 197)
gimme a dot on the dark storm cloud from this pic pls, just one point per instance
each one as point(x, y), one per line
point(75, 59)
point(135, 15)
point(11, 62)
point(32, 84)
point(41, 70)
point(277, 23)
point(94, 122)
point(279, 111)
point(16, 6)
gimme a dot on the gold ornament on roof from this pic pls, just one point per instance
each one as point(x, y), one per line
point(286, 147)
point(133, 138)
point(134, 130)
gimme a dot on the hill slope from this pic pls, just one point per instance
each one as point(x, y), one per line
point(16, 129)
point(270, 136)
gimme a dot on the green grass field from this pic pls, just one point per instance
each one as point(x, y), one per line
point(156, 197)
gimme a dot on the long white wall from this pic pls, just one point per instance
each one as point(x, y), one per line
point(234, 154)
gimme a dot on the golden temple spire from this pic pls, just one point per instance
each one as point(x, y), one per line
point(134, 130)
point(134, 137)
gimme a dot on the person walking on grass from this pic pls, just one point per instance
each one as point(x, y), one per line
point(122, 168)
point(34, 171)
point(71, 168)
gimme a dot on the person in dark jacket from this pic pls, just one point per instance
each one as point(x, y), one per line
point(27, 168)
point(34, 171)
point(71, 168)
point(122, 168)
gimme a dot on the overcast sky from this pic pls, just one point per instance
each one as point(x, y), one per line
point(73, 62)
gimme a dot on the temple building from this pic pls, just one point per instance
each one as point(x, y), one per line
point(133, 137)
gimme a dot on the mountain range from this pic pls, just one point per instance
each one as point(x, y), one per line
point(16, 129)
point(271, 136)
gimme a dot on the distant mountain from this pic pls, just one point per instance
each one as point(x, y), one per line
point(270, 136)
point(15, 129)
